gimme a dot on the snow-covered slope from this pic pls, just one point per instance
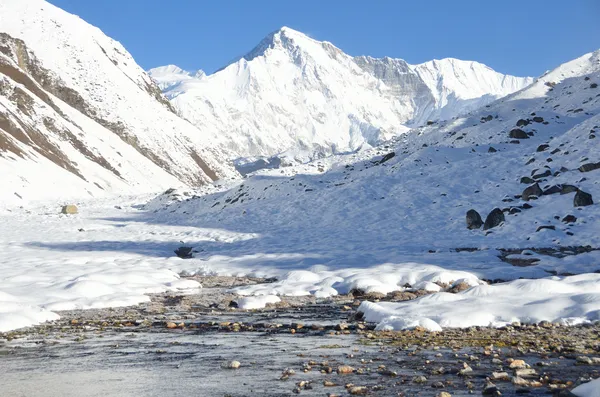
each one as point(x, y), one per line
point(357, 222)
point(292, 93)
point(79, 117)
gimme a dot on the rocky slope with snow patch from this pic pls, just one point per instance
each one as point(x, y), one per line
point(292, 93)
point(79, 117)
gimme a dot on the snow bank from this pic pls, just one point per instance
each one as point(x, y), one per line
point(257, 302)
point(324, 283)
point(569, 300)
point(590, 389)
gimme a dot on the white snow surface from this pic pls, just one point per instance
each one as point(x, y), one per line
point(568, 300)
point(79, 57)
point(294, 93)
point(590, 389)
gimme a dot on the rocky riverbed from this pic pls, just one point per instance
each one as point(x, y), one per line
point(201, 344)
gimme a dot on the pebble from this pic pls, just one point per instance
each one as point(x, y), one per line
point(517, 364)
point(443, 394)
point(231, 365)
point(419, 379)
point(345, 369)
point(500, 376)
point(358, 390)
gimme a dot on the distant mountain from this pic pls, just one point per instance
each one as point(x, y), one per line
point(292, 93)
point(78, 116)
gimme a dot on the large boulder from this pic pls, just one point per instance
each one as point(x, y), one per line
point(582, 199)
point(517, 133)
point(474, 220)
point(532, 191)
point(69, 209)
point(495, 218)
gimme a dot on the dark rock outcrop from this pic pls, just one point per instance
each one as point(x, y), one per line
point(589, 167)
point(565, 189)
point(184, 252)
point(582, 199)
point(474, 220)
point(495, 218)
point(569, 219)
point(387, 157)
point(517, 133)
point(532, 191)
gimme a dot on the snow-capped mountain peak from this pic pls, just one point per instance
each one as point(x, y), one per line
point(297, 94)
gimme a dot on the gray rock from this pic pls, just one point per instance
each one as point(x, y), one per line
point(582, 199)
point(474, 220)
point(565, 189)
point(569, 219)
point(517, 133)
point(542, 175)
point(495, 218)
point(589, 167)
point(532, 191)
point(552, 190)
point(527, 180)
point(543, 147)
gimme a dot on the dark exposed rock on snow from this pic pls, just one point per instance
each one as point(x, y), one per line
point(474, 220)
point(582, 199)
point(527, 180)
point(544, 174)
point(565, 189)
point(517, 133)
point(569, 219)
point(552, 190)
point(387, 157)
point(532, 191)
point(184, 252)
point(549, 227)
point(589, 167)
point(543, 147)
point(495, 218)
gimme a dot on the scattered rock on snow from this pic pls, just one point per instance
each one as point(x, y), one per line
point(495, 218)
point(582, 199)
point(569, 219)
point(552, 190)
point(387, 157)
point(474, 220)
point(532, 191)
point(527, 180)
point(184, 252)
point(549, 227)
point(589, 167)
point(543, 147)
point(517, 133)
point(565, 189)
point(69, 209)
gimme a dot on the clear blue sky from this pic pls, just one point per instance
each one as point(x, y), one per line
point(520, 37)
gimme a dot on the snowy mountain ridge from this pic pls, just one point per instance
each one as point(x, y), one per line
point(79, 117)
point(294, 93)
